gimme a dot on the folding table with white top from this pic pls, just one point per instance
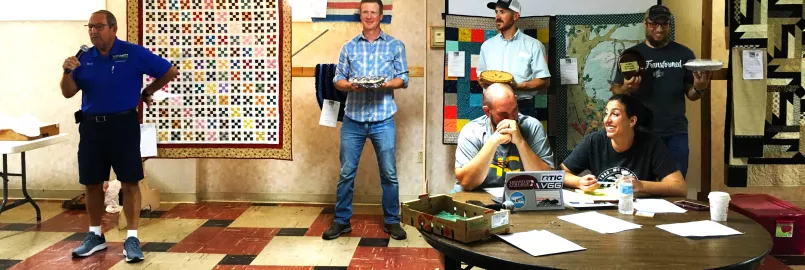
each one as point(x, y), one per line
point(14, 147)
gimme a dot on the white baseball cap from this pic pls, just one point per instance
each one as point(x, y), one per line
point(514, 5)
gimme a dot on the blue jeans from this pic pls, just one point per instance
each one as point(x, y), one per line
point(383, 135)
point(678, 147)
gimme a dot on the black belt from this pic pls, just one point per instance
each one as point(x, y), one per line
point(100, 118)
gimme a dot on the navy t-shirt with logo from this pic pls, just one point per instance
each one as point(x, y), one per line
point(647, 159)
point(663, 86)
point(113, 84)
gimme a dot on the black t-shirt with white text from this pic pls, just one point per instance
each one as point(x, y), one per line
point(647, 159)
point(663, 86)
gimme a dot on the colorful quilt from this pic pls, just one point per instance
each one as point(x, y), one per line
point(595, 41)
point(233, 94)
point(463, 95)
point(777, 156)
point(349, 11)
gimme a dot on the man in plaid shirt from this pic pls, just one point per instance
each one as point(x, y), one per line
point(369, 114)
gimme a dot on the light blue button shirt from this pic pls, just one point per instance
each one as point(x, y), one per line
point(386, 56)
point(522, 56)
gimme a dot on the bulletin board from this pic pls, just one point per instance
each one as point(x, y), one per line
point(233, 92)
point(463, 96)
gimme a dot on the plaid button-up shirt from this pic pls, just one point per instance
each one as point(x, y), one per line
point(383, 57)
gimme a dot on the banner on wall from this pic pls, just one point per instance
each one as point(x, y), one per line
point(349, 11)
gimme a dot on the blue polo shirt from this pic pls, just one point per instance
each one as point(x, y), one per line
point(113, 83)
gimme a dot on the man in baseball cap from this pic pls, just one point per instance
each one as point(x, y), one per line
point(514, 52)
point(665, 84)
point(514, 5)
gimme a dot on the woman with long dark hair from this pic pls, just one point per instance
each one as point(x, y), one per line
point(624, 148)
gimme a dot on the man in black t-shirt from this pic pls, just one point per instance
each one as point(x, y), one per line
point(665, 84)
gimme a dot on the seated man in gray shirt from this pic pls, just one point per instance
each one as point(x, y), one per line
point(503, 140)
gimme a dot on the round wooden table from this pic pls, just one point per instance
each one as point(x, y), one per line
point(644, 248)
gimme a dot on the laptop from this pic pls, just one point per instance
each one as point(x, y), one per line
point(534, 190)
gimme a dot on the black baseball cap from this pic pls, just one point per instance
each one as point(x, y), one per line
point(657, 12)
point(514, 5)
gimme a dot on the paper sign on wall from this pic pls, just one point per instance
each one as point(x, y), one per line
point(569, 71)
point(455, 64)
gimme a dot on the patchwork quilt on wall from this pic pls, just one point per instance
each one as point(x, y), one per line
point(233, 93)
point(596, 42)
point(463, 95)
point(765, 119)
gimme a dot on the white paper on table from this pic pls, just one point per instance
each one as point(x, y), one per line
point(753, 67)
point(577, 200)
point(702, 228)
point(162, 95)
point(657, 206)
point(540, 243)
point(148, 140)
point(455, 64)
point(495, 191)
point(329, 113)
point(27, 125)
point(569, 71)
point(599, 222)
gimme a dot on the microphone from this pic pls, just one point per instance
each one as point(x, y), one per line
point(81, 51)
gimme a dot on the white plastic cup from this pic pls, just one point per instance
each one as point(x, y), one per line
point(719, 205)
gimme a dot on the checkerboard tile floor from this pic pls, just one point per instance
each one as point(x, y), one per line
point(236, 236)
point(213, 235)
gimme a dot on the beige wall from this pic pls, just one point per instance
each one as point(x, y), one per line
point(37, 50)
point(688, 21)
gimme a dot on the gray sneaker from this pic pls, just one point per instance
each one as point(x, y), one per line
point(91, 244)
point(132, 251)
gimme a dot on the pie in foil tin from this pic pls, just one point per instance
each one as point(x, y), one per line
point(368, 81)
point(703, 65)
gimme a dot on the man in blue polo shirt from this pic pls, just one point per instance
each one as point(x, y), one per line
point(369, 113)
point(514, 52)
point(110, 76)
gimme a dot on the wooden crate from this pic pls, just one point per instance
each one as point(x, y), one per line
point(44, 131)
point(480, 222)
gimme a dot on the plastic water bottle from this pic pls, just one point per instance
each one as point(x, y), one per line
point(626, 196)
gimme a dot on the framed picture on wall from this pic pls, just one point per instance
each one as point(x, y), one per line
point(437, 36)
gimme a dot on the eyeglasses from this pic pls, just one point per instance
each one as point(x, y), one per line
point(655, 25)
point(95, 26)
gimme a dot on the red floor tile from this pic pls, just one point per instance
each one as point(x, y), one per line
point(232, 241)
point(76, 221)
point(58, 256)
point(260, 267)
point(395, 258)
point(225, 211)
point(368, 226)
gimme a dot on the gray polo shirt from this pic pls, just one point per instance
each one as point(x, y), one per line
point(507, 158)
